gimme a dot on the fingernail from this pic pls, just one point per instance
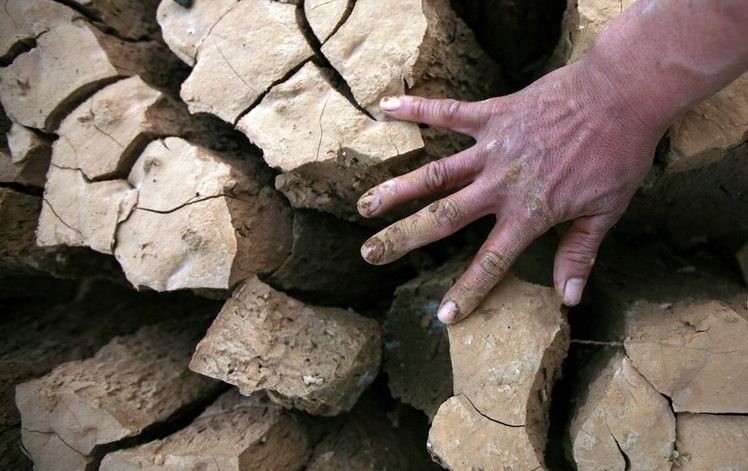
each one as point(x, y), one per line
point(573, 291)
point(372, 250)
point(369, 203)
point(390, 103)
point(448, 312)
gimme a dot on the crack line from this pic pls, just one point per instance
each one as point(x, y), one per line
point(487, 417)
point(96, 126)
point(188, 203)
point(232, 67)
point(45, 201)
point(207, 35)
point(341, 85)
point(322, 131)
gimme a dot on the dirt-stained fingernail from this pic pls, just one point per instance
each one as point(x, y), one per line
point(448, 312)
point(372, 250)
point(390, 103)
point(369, 204)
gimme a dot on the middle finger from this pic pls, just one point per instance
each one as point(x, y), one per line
point(436, 221)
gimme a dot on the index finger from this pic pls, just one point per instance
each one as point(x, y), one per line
point(461, 116)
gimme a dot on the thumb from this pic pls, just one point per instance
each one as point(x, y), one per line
point(575, 257)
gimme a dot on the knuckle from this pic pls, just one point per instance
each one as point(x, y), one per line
point(588, 243)
point(447, 214)
point(580, 257)
point(420, 108)
point(532, 223)
point(450, 109)
point(494, 264)
point(435, 177)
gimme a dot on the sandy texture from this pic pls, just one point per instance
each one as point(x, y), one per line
point(234, 434)
point(130, 384)
point(317, 359)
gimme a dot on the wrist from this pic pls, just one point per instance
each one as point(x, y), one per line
point(620, 92)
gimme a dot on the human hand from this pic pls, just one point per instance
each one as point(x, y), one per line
point(566, 148)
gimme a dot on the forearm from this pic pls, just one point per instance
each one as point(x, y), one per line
point(660, 57)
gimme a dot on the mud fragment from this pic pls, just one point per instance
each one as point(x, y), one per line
point(30, 155)
point(334, 145)
point(317, 359)
point(185, 29)
point(708, 441)
point(42, 85)
point(436, 53)
point(623, 422)
point(131, 384)
point(234, 433)
point(506, 357)
point(689, 351)
point(105, 134)
point(203, 220)
point(229, 59)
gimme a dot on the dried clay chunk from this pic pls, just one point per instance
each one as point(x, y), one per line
point(318, 359)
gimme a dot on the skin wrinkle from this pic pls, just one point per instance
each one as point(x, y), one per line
point(446, 213)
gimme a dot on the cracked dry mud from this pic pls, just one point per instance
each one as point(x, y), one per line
point(229, 56)
point(315, 123)
point(31, 91)
point(183, 218)
point(622, 422)
point(506, 357)
point(234, 433)
point(333, 142)
point(203, 220)
point(131, 384)
point(707, 441)
point(688, 350)
point(326, 16)
point(313, 358)
point(106, 133)
point(134, 175)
